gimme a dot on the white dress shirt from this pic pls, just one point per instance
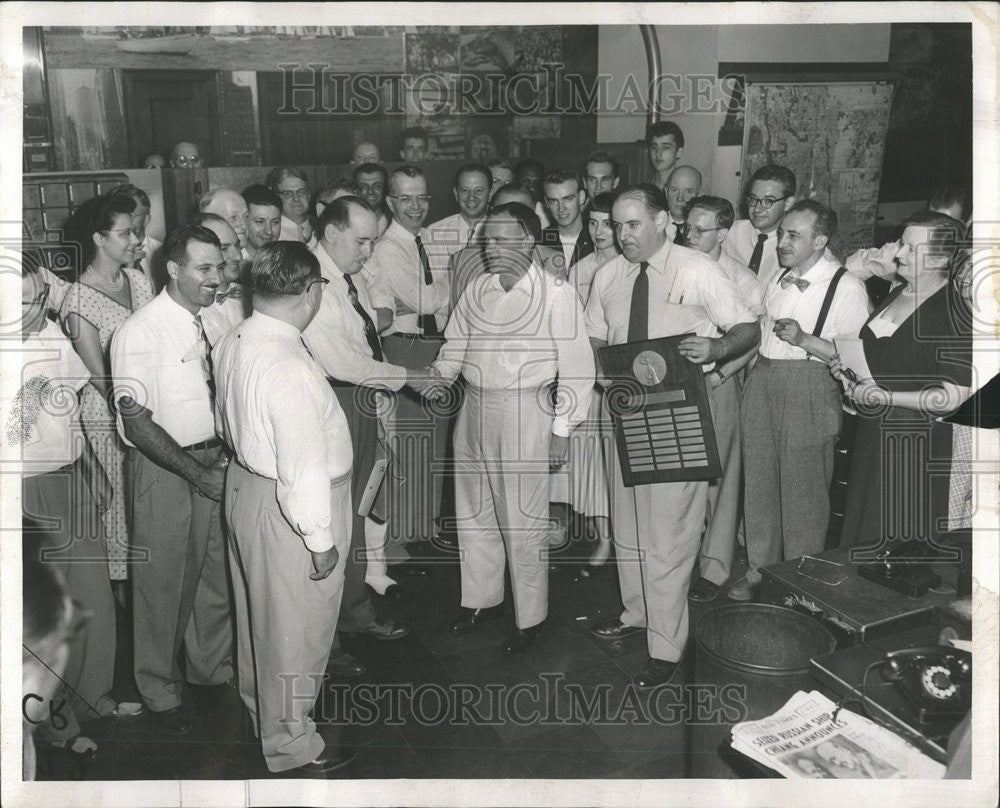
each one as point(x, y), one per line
point(159, 359)
point(223, 315)
point(745, 281)
point(336, 336)
point(518, 340)
point(581, 276)
point(277, 412)
point(740, 244)
point(447, 236)
point(847, 314)
point(688, 292)
point(399, 280)
point(150, 246)
point(291, 231)
point(38, 403)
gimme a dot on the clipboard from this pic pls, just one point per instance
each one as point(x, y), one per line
point(660, 410)
point(852, 353)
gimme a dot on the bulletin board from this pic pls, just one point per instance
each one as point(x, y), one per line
point(832, 136)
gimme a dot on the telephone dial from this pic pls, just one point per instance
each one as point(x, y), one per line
point(936, 680)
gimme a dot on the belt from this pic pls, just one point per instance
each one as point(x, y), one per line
point(212, 443)
point(413, 337)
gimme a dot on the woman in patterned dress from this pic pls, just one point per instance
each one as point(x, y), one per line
point(107, 292)
point(588, 484)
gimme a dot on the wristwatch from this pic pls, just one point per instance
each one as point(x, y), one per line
point(719, 374)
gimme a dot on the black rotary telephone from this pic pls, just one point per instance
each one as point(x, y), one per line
point(936, 680)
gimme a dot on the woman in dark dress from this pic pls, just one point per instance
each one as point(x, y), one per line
point(918, 346)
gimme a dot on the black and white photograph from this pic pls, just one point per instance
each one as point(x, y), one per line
point(499, 404)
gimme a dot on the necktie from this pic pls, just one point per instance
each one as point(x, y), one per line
point(233, 291)
point(788, 279)
point(638, 313)
point(370, 333)
point(428, 325)
point(679, 233)
point(206, 357)
point(758, 254)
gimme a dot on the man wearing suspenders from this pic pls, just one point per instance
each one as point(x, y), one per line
point(791, 409)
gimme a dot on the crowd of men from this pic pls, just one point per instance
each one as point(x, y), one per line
point(288, 396)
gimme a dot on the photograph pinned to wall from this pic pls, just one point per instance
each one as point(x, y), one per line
point(522, 48)
point(488, 138)
point(432, 52)
point(538, 127)
point(431, 106)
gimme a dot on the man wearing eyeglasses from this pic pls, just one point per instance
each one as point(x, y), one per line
point(292, 186)
point(413, 292)
point(186, 155)
point(754, 241)
point(707, 224)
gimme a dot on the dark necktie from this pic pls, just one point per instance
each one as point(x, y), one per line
point(371, 334)
point(758, 254)
point(679, 234)
point(428, 325)
point(206, 355)
point(638, 313)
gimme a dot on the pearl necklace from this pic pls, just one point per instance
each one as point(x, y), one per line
point(113, 287)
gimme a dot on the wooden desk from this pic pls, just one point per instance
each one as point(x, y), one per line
point(855, 610)
point(841, 673)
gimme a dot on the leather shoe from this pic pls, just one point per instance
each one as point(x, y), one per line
point(410, 569)
point(470, 619)
point(613, 629)
point(521, 639)
point(744, 589)
point(703, 591)
point(330, 761)
point(383, 629)
point(343, 664)
point(173, 721)
point(655, 672)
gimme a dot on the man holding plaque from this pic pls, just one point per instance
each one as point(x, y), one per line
point(659, 289)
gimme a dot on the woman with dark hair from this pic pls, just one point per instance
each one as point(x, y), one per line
point(918, 347)
point(107, 292)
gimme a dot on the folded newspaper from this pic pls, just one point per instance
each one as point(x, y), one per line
point(802, 740)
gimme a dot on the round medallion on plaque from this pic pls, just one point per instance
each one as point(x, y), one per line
point(649, 368)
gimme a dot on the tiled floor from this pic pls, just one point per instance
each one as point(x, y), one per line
point(562, 709)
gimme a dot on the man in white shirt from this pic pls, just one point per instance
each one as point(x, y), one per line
point(791, 406)
point(373, 182)
point(707, 224)
point(664, 145)
point(450, 234)
point(754, 241)
point(344, 340)
point(657, 289)
point(231, 206)
point(683, 185)
point(600, 174)
point(162, 386)
point(512, 333)
point(263, 218)
point(413, 294)
point(288, 507)
point(292, 187)
point(227, 310)
point(564, 197)
point(148, 257)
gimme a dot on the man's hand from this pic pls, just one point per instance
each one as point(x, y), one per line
point(788, 330)
point(700, 350)
point(324, 563)
point(558, 450)
point(427, 382)
point(211, 482)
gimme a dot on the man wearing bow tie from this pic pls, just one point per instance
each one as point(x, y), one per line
point(227, 310)
point(791, 407)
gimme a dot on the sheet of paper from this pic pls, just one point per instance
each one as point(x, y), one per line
point(852, 354)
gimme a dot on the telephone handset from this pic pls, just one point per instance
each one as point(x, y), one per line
point(936, 680)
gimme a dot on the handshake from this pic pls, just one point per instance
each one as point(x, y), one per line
point(428, 382)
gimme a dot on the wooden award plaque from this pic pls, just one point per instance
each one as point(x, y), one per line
point(660, 411)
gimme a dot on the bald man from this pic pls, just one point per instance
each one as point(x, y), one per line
point(186, 155)
point(365, 153)
point(231, 206)
point(683, 185)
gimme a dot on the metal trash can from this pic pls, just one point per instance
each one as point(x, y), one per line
point(762, 649)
